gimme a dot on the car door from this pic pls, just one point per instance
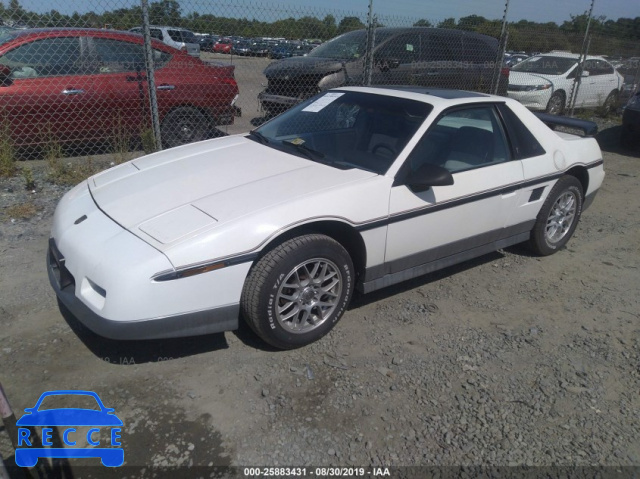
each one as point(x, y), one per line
point(123, 83)
point(431, 225)
point(441, 63)
point(50, 93)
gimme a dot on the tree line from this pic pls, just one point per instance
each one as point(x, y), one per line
point(619, 37)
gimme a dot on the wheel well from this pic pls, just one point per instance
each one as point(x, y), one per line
point(344, 234)
point(581, 174)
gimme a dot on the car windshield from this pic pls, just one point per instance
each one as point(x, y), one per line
point(346, 129)
point(348, 46)
point(545, 65)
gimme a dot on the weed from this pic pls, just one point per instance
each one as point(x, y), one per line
point(7, 153)
point(22, 211)
point(29, 182)
point(148, 140)
point(120, 141)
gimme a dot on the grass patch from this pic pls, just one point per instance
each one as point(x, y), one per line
point(7, 152)
point(23, 211)
point(71, 173)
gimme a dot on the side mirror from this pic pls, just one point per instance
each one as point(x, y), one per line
point(585, 73)
point(428, 175)
point(5, 75)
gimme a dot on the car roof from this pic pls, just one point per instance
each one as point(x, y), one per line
point(575, 56)
point(434, 96)
point(71, 30)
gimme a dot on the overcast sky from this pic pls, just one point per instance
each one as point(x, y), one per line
point(534, 10)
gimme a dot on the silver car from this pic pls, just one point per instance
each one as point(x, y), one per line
point(179, 38)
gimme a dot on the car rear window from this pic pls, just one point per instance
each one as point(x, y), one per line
point(183, 36)
point(523, 143)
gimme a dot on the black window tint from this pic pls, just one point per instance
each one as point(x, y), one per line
point(523, 143)
point(404, 48)
point(478, 50)
point(47, 57)
point(156, 33)
point(441, 48)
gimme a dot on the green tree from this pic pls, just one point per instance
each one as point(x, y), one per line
point(15, 11)
point(448, 23)
point(165, 12)
point(348, 24)
point(423, 23)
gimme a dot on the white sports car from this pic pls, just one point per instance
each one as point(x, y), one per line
point(355, 188)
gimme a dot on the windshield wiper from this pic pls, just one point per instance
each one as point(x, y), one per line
point(259, 136)
point(313, 155)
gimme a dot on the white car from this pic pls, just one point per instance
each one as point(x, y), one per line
point(355, 188)
point(546, 82)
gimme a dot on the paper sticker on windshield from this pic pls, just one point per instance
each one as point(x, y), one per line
point(297, 141)
point(323, 101)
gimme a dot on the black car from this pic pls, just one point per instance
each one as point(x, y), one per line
point(431, 57)
point(207, 42)
point(630, 136)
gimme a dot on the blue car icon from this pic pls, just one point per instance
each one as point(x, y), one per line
point(69, 419)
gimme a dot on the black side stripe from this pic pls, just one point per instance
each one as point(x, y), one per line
point(461, 201)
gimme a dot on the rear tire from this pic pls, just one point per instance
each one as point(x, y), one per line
point(298, 291)
point(184, 125)
point(558, 217)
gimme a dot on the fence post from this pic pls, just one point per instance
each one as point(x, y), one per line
point(368, 55)
point(151, 82)
point(583, 56)
point(502, 48)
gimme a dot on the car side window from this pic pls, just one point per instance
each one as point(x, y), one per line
point(156, 33)
point(440, 48)
point(117, 56)
point(46, 57)
point(462, 140)
point(404, 48)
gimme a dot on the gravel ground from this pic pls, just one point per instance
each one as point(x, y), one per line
point(507, 360)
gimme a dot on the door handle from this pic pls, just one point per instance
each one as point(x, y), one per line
point(166, 87)
point(71, 91)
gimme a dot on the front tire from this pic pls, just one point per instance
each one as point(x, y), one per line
point(298, 291)
point(556, 104)
point(610, 103)
point(558, 217)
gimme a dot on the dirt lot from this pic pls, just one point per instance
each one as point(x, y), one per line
point(507, 360)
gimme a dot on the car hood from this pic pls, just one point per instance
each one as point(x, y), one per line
point(167, 196)
point(297, 66)
point(526, 78)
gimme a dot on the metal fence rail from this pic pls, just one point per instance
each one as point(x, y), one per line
point(190, 68)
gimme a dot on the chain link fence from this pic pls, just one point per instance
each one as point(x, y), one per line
point(123, 76)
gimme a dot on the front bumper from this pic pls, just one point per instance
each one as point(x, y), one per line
point(269, 100)
point(534, 100)
point(103, 274)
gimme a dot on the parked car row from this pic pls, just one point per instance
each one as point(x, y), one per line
point(78, 84)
